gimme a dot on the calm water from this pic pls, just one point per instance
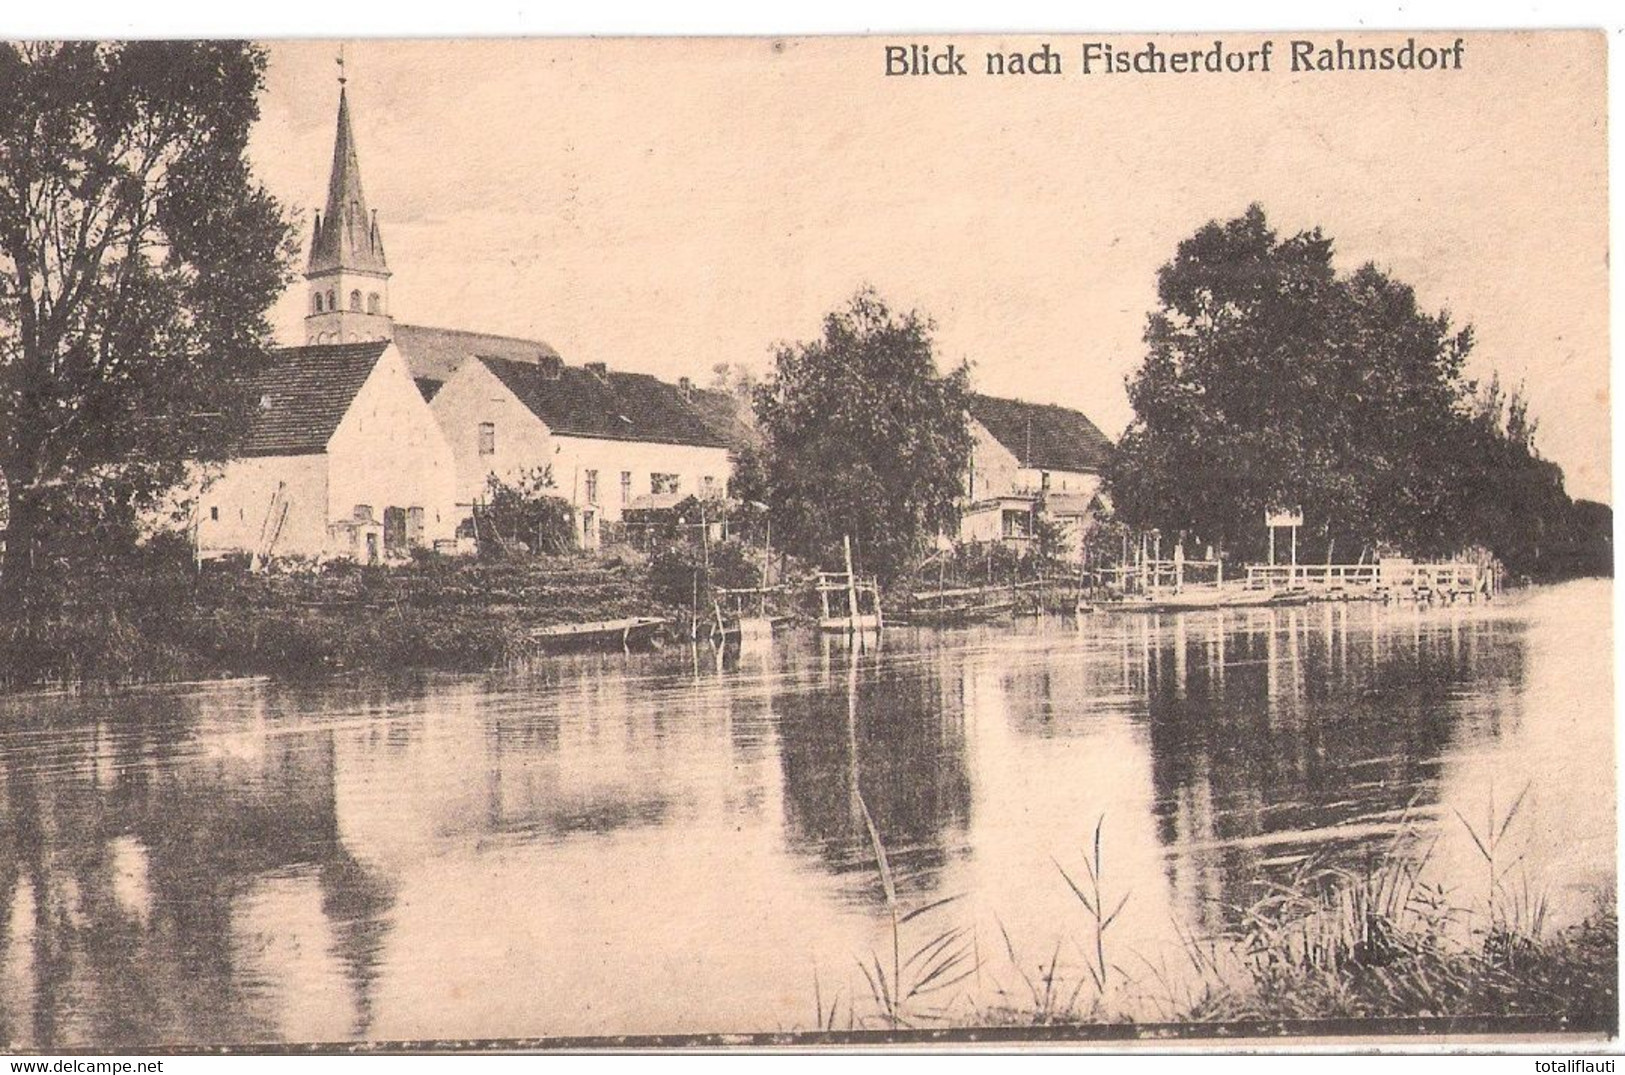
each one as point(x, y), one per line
point(663, 844)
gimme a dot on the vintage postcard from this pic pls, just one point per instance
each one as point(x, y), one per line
point(695, 542)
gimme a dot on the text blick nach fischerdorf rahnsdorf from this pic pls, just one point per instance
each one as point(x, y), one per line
point(1300, 55)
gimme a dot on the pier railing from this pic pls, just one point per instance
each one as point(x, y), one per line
point(1312, 576)
point(1394, 576)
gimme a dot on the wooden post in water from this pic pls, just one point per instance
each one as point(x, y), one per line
point(851, 584)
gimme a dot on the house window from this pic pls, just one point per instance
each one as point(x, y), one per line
point(332, 302)
point(414, 526)
point(355, 301)
point(488, 438)
point(372, 303)
point(318, 302)
point(626, 487)
point(214, 513)
point(1043, 480)
point(662, 483)
point(709, 484)
point(1018, 524)
point(590, 480)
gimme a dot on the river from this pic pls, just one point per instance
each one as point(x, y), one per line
point(676, 842)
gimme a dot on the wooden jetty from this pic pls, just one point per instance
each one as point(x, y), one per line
point(630, 633)
point(861, 614)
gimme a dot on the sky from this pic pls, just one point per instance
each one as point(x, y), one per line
point(667, 205)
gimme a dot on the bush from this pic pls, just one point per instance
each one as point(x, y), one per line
point(674, 573)
point(523, 515)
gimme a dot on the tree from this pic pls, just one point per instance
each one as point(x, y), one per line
point(522, 513)
point(1270, 381)
point(864, 437)
point(139, 258)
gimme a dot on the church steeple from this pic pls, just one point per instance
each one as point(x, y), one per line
point(347, 274)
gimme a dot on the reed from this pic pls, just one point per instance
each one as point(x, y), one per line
point(915, 989)
point(1327, 942)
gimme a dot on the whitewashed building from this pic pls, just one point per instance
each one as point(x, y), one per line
point(1030, 460)
point(342, 459)
point(500, 405)
point(612, 441)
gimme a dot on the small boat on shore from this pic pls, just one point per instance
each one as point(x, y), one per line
point(630, 633)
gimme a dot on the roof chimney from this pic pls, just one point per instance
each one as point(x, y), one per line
point(552, 366)
point(598, 370)
point(686, 387)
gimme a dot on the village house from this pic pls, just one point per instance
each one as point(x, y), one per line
point(1031, 460)
point(377, 436)
point(342, 458)
point(613, 442)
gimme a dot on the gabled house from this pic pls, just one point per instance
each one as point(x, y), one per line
point(507, 405)
point(1030, 460)
point(613, 441)
point(342, 458)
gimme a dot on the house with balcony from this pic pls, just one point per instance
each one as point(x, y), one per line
point(1030, 460)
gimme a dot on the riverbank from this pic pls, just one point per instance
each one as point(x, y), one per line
point(435, 614)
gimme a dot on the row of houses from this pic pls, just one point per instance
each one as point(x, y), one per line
point(377, 437)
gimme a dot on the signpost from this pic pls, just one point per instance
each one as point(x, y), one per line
point(1291, 519)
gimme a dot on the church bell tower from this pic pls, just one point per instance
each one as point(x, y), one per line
point(347, 277)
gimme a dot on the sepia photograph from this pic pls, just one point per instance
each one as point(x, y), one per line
point(810, 542)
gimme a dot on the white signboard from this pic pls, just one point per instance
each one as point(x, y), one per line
point(1284, 517)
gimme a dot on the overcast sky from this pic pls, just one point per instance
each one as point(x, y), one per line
point(667, 205)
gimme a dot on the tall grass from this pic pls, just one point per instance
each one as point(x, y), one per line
point(915, 989)
point(1326, 942)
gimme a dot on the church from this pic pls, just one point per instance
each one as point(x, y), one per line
point(376, 437)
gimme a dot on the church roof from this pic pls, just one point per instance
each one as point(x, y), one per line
point(433, 354)
point(304, 394)
point(346, 235)
point(608, 405)
point(1042, 435)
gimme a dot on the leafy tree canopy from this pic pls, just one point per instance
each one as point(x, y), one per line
point(138, 260)
point(1270, 380)
point(864, 436)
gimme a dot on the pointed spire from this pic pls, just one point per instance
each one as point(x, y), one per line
point(347, 235)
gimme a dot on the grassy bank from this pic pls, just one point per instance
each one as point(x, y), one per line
point(1326, 946)
point(167, 623)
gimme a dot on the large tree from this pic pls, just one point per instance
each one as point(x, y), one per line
point(864, 437)
point(1271, 381)
point(138, 260)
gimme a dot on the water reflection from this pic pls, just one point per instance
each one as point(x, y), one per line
point(672, 842)
point(891, 731)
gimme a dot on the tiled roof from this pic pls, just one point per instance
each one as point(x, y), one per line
point(433, 353)
point(1042, 435)
point(614, 406)
point(728, 417)
point(304, 394)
